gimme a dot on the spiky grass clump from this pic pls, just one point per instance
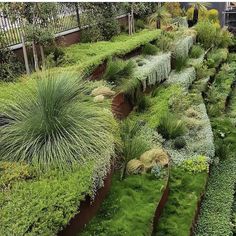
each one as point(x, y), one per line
point(118, 69)
point(54, 125)
point(170, 127)
point(180, 63)
point(149, 49)
point(196, 51)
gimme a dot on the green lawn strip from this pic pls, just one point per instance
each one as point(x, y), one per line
point(86, 56)
point(129, 208)
point(43, 206)
point(185, 192)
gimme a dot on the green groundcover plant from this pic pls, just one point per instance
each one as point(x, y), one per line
point(129, 208)
point(43, 205)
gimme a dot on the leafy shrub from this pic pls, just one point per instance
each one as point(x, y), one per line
point(12, 171)
point(118, 69)
point(202, 71)
point(196, 51)
point(213, 15)
point(52, 124)
point(210, 34)
point(196, 164)
point(10, 67)
point(216, 57)
point(179, 142)
point(170, 127)
point(149, 49)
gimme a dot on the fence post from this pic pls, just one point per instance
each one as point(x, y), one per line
point(77, 14)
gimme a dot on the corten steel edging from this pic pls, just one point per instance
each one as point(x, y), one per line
point(88, 209)
point(161, 204)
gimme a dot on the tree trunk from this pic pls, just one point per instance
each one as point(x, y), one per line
point(195, 15)
point(42, 54)
point(158, 24)
point(36, 60)
point(25, 54)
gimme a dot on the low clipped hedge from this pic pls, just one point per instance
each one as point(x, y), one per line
point(41, 205)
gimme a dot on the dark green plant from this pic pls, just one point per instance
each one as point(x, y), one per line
point(10, 67)
point(52, 124)
point(118, 69)
point(149, 49)
point(179, 142)
point(170, 126)
point(196, 51)
point(143, 103)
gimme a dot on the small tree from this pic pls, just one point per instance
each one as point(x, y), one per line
point(159, 16)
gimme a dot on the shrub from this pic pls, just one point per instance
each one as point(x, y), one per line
point(10, 68)
point(202, 71)
point(196, 164)
point(164, 42)
point(118, 69)
point(216, 57)
point(149, 49)
point(196, 51)
point(170, 127)
point(213, 15)
point(53, 124)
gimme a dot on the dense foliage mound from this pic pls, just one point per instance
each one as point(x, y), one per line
point(55, 124)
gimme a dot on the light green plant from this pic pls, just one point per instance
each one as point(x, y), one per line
point(196, 164)
point(196, 51)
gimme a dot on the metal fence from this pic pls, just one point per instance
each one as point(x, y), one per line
point(11, 31)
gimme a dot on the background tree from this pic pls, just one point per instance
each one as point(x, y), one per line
point(198, 6)
point(159, 16)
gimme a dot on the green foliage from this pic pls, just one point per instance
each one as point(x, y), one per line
point(129, 208)
point(216, 208)
point(134, 142)
point(118, 69)
point(170, 126)
point(139, 24)
point(50, 122)
point(210, 34)
point(196, 164)
point(164, 42)
point(11, 172)
point(179, 212)
point(149, 49)
point(196, 51)
point(143, 103)
point(180, 63)
point(202, 70)
point(44, 206)
point(216, 56)
point(86, 56)
point(10, 67)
